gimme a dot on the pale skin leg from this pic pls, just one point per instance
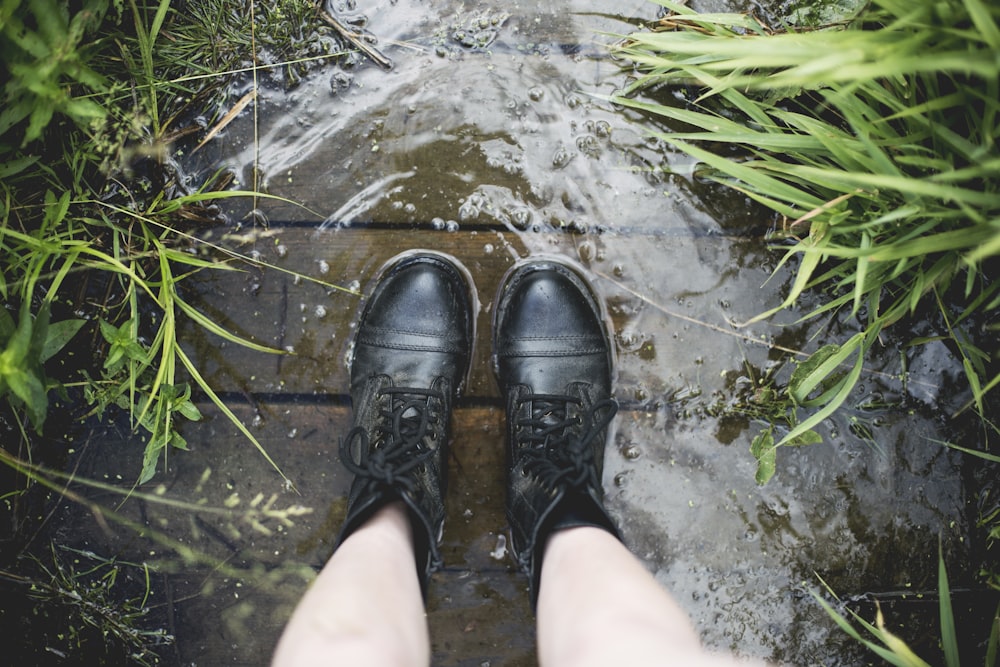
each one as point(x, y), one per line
point(365, 607)
point(598, 605)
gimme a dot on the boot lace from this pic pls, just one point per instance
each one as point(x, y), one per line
point(399, 435)
point(556, 441)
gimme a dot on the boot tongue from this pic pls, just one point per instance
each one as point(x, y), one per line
point(549, 410)
point(411, 414)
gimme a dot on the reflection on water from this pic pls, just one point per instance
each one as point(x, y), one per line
point(493, 145)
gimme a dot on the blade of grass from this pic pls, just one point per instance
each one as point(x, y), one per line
point(221, 405)
point(948, 639)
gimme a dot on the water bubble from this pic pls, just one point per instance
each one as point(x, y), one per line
point(282, 250)
point(522, 218)
point(602, 129)
point(320, 311)
point(631, 451)
point(588, 145)
point(488, 248)
point(500, 551)
point(258, 217)
point(324, 266)
point(340, 81)
point(410, 208)
point(470, 210)
point(620, 480)
point(629, 339)
point(437, 223)
point(536, 93)
point(451, 226)
point(562, 157)
point(586, 251)
point(354, 285)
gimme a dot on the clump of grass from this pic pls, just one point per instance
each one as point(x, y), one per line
point(80, 606)
point(94, 217)
point(876, 142)
point(892, 649)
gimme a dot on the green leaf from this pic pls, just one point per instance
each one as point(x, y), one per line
point(820, 365)
point(150, 457)
point(177, 442)
point(189, 410)
point(60, 333)
point(7, 326)
point(214, 328)
point(764, 450)
point(984, 22)
point(16, 166)
point(844, 388)
point(806, 438)
point(948, 639)
point(19, 343)
point(994, 641)
point(973, 378)
point(29, 388)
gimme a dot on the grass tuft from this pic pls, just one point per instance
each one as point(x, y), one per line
point(95, 97)
point(875, 141)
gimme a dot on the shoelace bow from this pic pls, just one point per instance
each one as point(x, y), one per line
point(399, 448)
point(557, 452)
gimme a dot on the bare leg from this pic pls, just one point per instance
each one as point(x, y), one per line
point(365, 608)
point(597, 605)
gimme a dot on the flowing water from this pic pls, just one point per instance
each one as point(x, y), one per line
point(491, 139)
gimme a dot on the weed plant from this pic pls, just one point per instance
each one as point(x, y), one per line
point(876, 141)
point(93, 99)
point(891, 648)
point(80, 603)
point(98, 236)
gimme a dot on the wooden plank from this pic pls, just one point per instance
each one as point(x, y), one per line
point(652, 315)
point(478, 605)
point(276, 309)
point(686, 503)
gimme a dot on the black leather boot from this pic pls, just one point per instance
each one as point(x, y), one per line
point(553, 360)
point(410, 356)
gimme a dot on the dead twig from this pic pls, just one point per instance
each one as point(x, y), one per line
point(228, 118)
point(356, 40)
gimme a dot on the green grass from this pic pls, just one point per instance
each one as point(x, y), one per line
point(875, 142)
point(891, 648)
point(93, 99)
point(86, 604)
point(98, 243)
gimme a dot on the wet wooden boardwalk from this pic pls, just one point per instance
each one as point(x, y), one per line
point(678, 264)
point(685, 496)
